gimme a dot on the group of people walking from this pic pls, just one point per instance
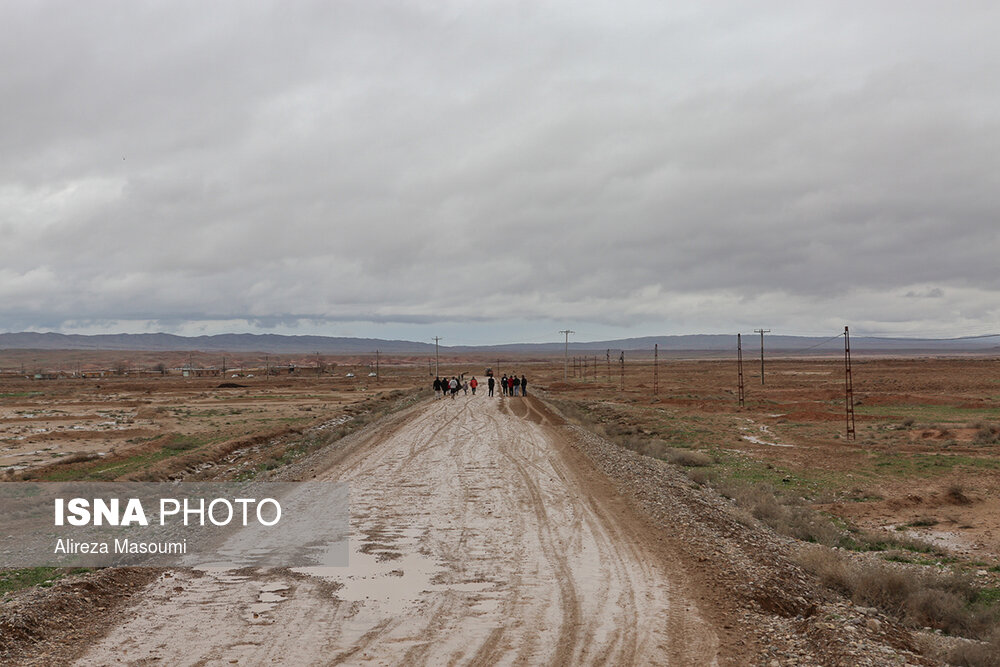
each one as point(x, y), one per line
point(509, 386)
point(512, 386)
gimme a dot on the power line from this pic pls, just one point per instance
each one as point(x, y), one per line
point(820, 344)
point(943, 340)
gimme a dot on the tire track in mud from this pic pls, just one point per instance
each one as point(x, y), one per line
point(475, 539)
point(569, 630)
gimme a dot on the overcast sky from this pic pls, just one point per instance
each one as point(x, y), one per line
point(496, 171)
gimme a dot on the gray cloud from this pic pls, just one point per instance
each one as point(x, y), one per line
point(509, 165)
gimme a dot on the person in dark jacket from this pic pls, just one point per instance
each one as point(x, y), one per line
point(517, 386)
point(504, 384)
point(490, 382)
point(524, 386)
point(437, 387)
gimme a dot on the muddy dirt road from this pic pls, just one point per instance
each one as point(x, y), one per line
point(478, 536)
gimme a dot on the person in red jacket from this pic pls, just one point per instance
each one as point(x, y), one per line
point(473, 384)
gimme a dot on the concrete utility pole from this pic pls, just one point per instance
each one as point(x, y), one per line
point(762, 332)
point(566, 355)
point(437, 372)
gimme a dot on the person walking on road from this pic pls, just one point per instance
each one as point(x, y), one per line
point(524, 386)
point(510, 386)
point(453, 385)
point(517, 385)
point(437, 387)
point(473, 383)
point(503, 384)
point(489, 383)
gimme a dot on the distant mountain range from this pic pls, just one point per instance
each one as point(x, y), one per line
point(278, 344)
point(272, 343)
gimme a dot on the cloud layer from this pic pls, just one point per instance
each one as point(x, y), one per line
point(370, 168)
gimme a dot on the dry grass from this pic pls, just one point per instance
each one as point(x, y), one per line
point(701, 476)
point(784, 515)
point(653, 447)
point(77, 457)
point(689, 458)
point(918, 597)
point(987, 434)
point(978, 654)
point(956, 494)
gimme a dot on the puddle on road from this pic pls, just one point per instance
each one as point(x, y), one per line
point(370, 577)
point(267, 599)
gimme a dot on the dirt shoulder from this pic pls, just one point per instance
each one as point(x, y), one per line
point(50, 626)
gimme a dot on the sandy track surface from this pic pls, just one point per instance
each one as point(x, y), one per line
point(477, 537)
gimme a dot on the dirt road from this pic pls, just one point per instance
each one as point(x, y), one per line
point(478, 537)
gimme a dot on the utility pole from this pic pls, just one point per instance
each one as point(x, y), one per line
point(223, 366)
point(739, 363)
point(437, 362)
point(497, 374)
point(583, 366)
point(656, 369)
point(566, 354)
point(267, 369)
point(622, 359)
point(762, 332)
point(607, 356)
point(377, 353)
point(849, 386)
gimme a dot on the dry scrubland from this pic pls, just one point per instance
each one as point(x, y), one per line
point(905, 519)
point(137, 423)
